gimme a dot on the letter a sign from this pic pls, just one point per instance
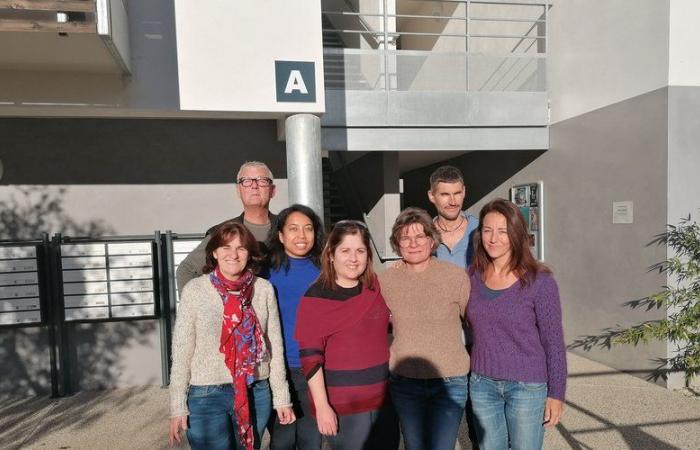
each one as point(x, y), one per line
point(296, 81)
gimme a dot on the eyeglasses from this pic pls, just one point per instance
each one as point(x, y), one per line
point(260, 181)
point(405, 241)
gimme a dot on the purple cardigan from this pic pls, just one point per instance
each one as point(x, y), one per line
point(518, 335)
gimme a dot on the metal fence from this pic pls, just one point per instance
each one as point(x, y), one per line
point(58, 282)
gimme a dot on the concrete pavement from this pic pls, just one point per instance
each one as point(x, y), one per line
point(606, 409)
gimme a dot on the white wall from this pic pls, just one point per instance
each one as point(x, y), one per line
point(684, 42)
point(602, 52)
point(135, 209)
point(227, 52)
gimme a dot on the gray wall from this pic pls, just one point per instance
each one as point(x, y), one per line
point(26, 368)
point(683, 168)
point(114, 355)
point(610, 154)
point(128, 176)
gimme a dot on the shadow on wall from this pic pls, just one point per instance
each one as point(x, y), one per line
point(96, 349)
point(27, 212)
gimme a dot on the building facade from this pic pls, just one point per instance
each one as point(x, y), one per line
point(121, 117)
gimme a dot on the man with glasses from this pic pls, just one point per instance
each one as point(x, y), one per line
point(255, 187)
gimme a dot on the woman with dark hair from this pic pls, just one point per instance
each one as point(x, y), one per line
point(341, 327)
point(295, 250)
point(429, 363)
point(227, 349)
point(518, 377)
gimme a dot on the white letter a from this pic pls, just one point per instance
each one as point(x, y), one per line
point(295, 83)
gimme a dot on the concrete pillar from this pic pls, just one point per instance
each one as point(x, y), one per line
point(304, 168)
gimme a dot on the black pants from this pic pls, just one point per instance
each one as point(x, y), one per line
point(371, 430)
point(303, 433)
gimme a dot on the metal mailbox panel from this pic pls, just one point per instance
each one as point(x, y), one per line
point(85, 288)
point(82, 249)
point(71, 276)
point(132, 298)
point(129, 248)
point(10, 318)
point(83, 262)
point(184, 246)
point(131, 261)
point(132, 286)
point(137, 273)
point(18, 278)
point(24, 251)
point(83, 301)
point(17, 265)
point(86, 313)
point(19, 291)
point(19, 304)
point(133, 311)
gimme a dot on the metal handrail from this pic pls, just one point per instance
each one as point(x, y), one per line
point(363, 51)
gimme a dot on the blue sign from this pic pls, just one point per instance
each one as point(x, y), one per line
point(295, 81)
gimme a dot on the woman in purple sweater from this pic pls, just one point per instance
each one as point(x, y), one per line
point(518, 359)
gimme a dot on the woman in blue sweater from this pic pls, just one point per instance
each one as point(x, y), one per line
point(295, 244)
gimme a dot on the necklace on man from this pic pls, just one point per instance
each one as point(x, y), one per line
point(455, 228)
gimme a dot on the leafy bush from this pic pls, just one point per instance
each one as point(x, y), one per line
point(681, 300)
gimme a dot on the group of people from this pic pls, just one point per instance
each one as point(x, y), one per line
point(273, 315)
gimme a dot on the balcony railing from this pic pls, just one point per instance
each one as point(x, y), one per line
point(455, 45)
point(413, 70)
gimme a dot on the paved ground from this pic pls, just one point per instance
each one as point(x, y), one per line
point(605, 410)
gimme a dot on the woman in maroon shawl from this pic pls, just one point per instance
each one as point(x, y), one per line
point(341, 327)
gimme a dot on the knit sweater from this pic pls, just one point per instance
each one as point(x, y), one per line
point(518, 335)
point(290, 285)
point(195, 350)
point(426, 312)
point(344, 333)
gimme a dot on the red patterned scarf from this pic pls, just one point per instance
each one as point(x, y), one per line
point(242, 344)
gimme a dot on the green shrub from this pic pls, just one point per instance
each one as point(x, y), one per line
point(681, 300)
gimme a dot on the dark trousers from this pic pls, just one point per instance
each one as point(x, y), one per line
point(371, 430)
point(303, 433)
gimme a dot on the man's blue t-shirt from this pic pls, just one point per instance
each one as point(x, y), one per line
point(463, 252)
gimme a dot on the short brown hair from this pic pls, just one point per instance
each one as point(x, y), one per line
point(339, 231)
point(408, 217)
point(445, 174)
point(223, 234)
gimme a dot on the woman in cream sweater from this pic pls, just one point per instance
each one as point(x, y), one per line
point(228, 353)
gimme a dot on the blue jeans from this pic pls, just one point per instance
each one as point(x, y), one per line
point(508, 413)
point(430, 410)
point(211, 422)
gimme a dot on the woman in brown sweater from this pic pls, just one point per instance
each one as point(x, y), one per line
point(429, 363)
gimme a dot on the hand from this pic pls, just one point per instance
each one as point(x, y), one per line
point(177, 424)
point(286, 415)
point(553, 409)
point(327, 420)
